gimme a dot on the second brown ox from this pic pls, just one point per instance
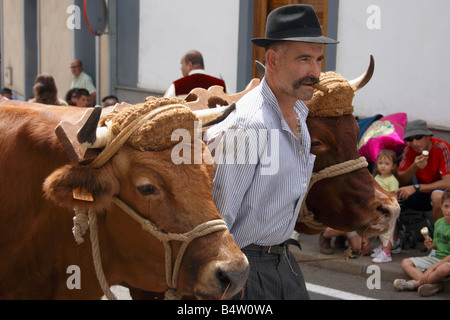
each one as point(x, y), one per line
point(344, 201)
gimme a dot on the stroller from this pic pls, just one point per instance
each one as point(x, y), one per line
point(409, 223)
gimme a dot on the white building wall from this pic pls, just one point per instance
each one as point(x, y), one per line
point(410, 41)
point(55, 43)
point(168, 29)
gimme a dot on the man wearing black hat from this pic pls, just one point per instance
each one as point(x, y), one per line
point(428, 159)
point(260, 199)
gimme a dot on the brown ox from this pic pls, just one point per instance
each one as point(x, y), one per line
point(38, 254)
point(350, 200)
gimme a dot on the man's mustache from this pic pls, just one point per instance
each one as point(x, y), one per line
point(297, 84)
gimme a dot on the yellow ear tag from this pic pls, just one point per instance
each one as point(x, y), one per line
point(82, 194)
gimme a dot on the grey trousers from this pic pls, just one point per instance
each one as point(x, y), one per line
point(274, 277)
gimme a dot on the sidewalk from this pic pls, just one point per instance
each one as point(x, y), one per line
point(389, 271)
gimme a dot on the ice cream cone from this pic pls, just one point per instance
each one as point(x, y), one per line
point(424, 232)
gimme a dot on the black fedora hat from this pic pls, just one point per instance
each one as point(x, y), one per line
point(296, 22)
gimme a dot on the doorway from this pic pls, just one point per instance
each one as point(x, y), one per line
point(264, 7)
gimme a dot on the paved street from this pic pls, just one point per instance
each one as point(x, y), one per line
point(347, 279)
point(351, 276)
point(326, 284)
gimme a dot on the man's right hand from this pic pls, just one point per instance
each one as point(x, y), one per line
point(421, 161)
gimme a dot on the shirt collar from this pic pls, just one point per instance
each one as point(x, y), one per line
point(197, 71)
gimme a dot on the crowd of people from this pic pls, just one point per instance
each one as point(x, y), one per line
point(81, 94)
point(420, 180)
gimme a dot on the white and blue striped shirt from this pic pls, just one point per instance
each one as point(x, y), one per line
point(262, 169)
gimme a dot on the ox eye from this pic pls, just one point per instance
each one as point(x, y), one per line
point(148, 189)
point(315, 143)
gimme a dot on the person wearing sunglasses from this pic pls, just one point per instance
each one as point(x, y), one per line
point(428, 159)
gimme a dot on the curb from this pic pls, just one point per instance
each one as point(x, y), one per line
point(358, 266)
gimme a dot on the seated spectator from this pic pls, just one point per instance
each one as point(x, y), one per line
point(82, 98)
point(429, 272)
point(356, 243)
point(194, 76)
point(82, 80)
point(70, 96)
point(110, 101)
point(45, 91)
point(428, 159)
point(6, 93)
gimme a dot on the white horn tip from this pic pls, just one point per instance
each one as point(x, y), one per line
point(100, 141)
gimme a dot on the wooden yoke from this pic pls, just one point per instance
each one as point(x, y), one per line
point(198, 99)
point(67, 136)
point(67, 132)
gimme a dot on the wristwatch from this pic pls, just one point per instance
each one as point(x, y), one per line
point(417, 187)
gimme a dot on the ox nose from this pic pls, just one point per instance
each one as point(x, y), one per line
point(231, 282)
point(388, 214)
point(389, 210)
point(386, 206)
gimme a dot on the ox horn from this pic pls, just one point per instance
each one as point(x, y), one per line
point(90, 136)
point(361, 81)
point(261, 68)
point(210, 117)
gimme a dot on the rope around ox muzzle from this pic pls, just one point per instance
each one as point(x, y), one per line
point(83, 221)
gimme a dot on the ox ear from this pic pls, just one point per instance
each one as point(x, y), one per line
point(73, 186)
